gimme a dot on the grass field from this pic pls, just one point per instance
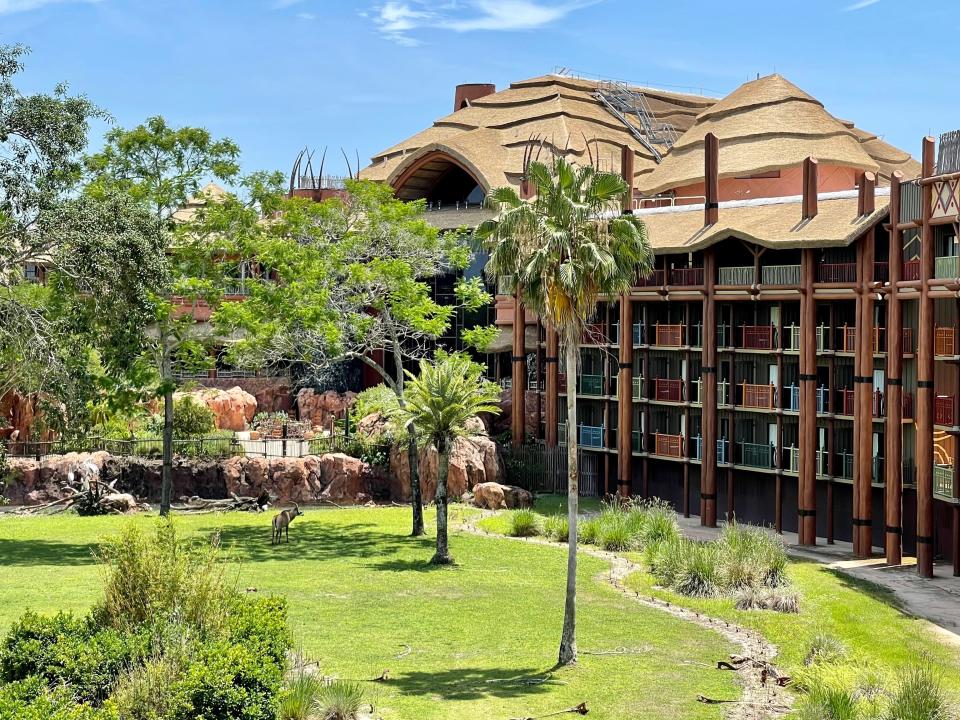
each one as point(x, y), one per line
point(481, 634)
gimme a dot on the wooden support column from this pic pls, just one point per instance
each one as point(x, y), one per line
point(956, 540)
point(519, 375)
point(807, 482)
point(924, 404)
point(625, 399)
point(708, 396)
point(863, 513)
point(893, 430)
point(858, 417)
point(552, 386)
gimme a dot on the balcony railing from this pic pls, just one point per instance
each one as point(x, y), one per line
point(723, 392)
point(823, 400)
point(724, 336)
point(791, 398)
point(759, 455)
point(757, 337)
point(686, 276)
point(637, 335)
point(946, 267)
point(636, 381)
point(722, 449)
point(944, 341)
point(907, 406)
point(657, 278)
point(908, 341)
point(594, 334)
point(837, 272)
point(695, 336)
point(943, 410)
point(668, 445)
point(762, 397)
point(736, 275)
point(591, 385)
point(846, 464)
point(881, 271)
point(846, 402)
point(669, 335)
point(848, 339)
point(911, 270)
point(666, 390)
point(943, 480)
point(588, 435)
point(780, 275)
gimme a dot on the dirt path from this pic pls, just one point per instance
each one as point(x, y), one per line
point(761, 698)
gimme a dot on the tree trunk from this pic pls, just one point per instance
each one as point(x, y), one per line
point(413, 459)
point(568, 640)
point(166, 478)
point(442, 556)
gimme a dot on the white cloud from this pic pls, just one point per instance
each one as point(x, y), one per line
point(306, 16)
point(397, 18)
point(860, 5)
point(8, 7)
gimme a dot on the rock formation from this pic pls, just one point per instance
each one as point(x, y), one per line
point(494, 496)
point(322, 408)
point(233, 408)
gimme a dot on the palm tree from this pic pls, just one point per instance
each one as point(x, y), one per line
point(563, 250)
point(439, 403)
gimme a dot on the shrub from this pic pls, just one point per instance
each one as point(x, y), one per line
point(588, 530)
point(614, 529)
point(148, 691)
point(557, 528)
point(339, 701)
point(192, 419)
point(700, 573)
point(372, 450)
point(751, 557)
point(776, 599)
point(524, 523)
point(825, 648)
point(300, 696)
point(376, 399)
point(666, 560)
point(660, 523)
point(919, 695)
point(33, 700)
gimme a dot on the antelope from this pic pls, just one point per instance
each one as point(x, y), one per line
point(281, 523)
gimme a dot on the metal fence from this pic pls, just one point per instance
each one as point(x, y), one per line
point(544, 470)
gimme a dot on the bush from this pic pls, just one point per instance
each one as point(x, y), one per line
point(616, 529)
point(588, 530)
point(376, 399)
point(192, 419)
point(660, 523)
point(825, 648)
point(700, 573)
point(33, 700)
point(300, 696)
point(919, 695)
point(372, 450)
point(777, 599)
point(339, 701)
point(524, 523)
point(557, 528)
point(751, 557)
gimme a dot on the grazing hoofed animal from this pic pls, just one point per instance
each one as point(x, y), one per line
point(281, 523)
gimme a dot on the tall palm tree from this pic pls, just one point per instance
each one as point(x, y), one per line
point(564, 249)
point(439, 402)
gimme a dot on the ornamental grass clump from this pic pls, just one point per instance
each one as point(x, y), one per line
point(751, 557)
point(919, 695)
point(339, 701)
point(557, 528)
point(524, 523)
point(700, 574)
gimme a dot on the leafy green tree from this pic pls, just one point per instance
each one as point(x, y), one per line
point(564, 250)
point(352, 282)
point(440, 401)
point(161, 167)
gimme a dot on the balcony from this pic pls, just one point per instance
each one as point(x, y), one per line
point(847, 403)
point(637, 336)
point(881, 272)
point(848, 339)
point(791, 398)
point(669, 335)
point(590, 385)
point(736, 275)
point(757, 337)
point(943, 480)
point(594, 334)
point(846, 464)
point(760, 397)
point(697, 449)
point(780, 275)
point(637, 383)
point(638, 443)
point(668, 445)
point(686, 276)
point(911, 270)
point(943, 410)
point(590, 436)
point(944, 341)
point(665, 390)
point(837, 272)
point(946, 268)
point(823, 400)
point(907, 406)
point(758, 455)
point(657, 278)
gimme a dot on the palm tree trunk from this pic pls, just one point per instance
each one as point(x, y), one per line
point(166, 475)
point(568, 639)
point(442, 556)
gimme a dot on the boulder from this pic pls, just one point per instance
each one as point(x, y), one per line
point(532, 418)
point(494, 496)
point(321, 409)
point(343, 478)
point(233, 409)
point(373, 425)
point(121, 502)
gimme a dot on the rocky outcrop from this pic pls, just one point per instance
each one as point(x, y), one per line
point(532, 418)
point(233, 408)
point(494, 496)
point(273, 394)
point(321, 409)
point(19, 414)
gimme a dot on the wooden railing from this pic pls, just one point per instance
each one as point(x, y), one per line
point(780, 275)
point(943, 341)
point(757, 396)
point(946, 267)
point(669, 335)
point(657, 278)
point(943, 410)
point(881, 271)
point(594, 334)
point(666, 390)
point(686, 276)
point(757, 337)
point(911, 270)
point(668, 445)
point(943, 480)
point(837, 272)
point(848, 337)
point(736, 275)
point(849, 406)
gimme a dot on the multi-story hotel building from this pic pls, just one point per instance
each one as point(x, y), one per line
point(793, 359)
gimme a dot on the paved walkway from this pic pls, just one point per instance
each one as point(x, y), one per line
point(937, 600)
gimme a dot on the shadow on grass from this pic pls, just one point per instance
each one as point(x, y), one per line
point(475, 683)
point(45, 552)
point(410, 565)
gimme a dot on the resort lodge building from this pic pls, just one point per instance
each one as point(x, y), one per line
point(793, 359)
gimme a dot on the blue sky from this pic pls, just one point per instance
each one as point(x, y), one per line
point(276, 75)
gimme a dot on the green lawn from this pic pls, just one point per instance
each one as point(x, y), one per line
point(360, 591)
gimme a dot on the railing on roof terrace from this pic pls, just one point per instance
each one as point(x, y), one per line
point(743, 275)
point(943, 480)
point(946, 267)
point(943, 341)
point(943, 410)
point(837, 272)
point(910, 201)
point(911, 270)
point(780, 275)
point(759, 455)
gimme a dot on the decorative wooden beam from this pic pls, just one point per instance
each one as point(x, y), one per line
point(924, 405)
point(863, 512)
point(625, 399)
point(627, 172)
point(708, 396)
point(810, 183)
point(711, 179)
point(807, 481)
point(893, 429)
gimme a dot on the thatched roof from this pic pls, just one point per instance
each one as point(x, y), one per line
point(767, 124)
point(210, 191)
point(774, 223)
point(491, 135)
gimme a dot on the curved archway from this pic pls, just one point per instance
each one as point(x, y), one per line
point(439, 177)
